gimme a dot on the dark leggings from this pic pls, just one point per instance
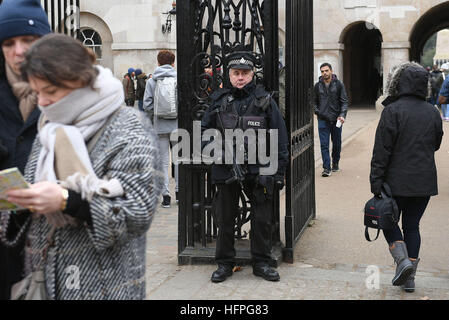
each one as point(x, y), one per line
point(412, 210)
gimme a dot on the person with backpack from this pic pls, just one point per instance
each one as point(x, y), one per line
point(161, 102)
point(140, 87)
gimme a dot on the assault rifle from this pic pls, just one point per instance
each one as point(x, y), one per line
point(238, 171)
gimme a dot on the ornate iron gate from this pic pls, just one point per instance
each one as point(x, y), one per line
point(206, 31)
point(300, 192)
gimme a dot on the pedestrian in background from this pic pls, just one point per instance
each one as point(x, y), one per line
point(435, 84)
point(93, 189)
point(444, 96)
point(129, 88)
point(441, 80)
point(330, 104)
point(160, 99)
point(140, 87)
point(21, 23)
point(408, 134)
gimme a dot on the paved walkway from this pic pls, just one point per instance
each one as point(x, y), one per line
point(332, 259)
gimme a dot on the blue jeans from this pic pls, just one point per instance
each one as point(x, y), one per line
point(412, 210)
point(328, 129)
point(445, 110)
point(140, 104)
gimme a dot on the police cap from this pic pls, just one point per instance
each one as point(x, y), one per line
point(241, 60)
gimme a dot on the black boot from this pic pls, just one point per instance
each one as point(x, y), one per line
point(263, 270)
point(222, 273)
point(409, 285)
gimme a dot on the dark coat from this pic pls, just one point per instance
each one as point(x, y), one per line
point(408, 134)
point(243, 97)
point(329, 104)
point(17, 137)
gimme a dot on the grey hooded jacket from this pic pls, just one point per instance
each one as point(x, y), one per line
point(161, 126)
point(408, 134)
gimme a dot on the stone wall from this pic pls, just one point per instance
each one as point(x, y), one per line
point(131, 31)
point(395, 19)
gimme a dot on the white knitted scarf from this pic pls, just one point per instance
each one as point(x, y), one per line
point(64, 128)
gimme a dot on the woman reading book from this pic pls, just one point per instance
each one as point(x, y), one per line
point(21, 23)
point(93, 180)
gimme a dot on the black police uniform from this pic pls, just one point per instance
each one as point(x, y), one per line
point(236, 107)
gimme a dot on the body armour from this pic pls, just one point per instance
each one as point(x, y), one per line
point(254, 116)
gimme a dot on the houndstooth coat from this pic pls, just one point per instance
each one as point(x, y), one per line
point(107, 260)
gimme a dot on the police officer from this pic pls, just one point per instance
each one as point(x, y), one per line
point(245, 105)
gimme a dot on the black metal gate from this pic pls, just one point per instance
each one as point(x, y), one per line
point(300, 193)
point(206, 31)
point(63, 15)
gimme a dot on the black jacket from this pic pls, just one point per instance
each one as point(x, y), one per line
point(17, 137)
point(408, 134)
point(243, 97)
point(329, 104)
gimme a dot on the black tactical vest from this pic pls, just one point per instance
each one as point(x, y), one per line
point(255, 116)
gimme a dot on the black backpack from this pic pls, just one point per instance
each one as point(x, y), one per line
point(381, 212)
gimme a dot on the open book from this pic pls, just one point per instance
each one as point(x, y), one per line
point(10, 179)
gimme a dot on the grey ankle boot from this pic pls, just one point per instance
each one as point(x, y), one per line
point(404, 266)
point(409, 285)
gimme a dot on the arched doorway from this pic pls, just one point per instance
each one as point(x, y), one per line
point(362, 66)
point(432, 21)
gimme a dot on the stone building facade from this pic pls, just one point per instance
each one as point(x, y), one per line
point(362, 39)
point(365, 38)
point(130, 31)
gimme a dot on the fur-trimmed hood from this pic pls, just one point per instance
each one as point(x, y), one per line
point(405, 79)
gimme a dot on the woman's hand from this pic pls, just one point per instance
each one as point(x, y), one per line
point(42, 197)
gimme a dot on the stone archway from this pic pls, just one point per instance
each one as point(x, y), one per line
point(362, 66)
point(430, 22)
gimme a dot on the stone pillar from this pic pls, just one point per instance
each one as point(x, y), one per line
point(393, 53)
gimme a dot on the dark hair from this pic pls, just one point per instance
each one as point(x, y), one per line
point(165, 57)
point(57, 58)
point(326, 64)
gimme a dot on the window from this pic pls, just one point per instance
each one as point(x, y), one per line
point(91, 39)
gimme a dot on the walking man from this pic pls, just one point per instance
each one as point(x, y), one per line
point(245, 105)
point(330, 104)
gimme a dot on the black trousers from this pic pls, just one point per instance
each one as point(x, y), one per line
point(411, 209)
point(226, 210)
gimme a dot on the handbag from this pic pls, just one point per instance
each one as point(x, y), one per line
point(381, 213)
point(33, 287)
